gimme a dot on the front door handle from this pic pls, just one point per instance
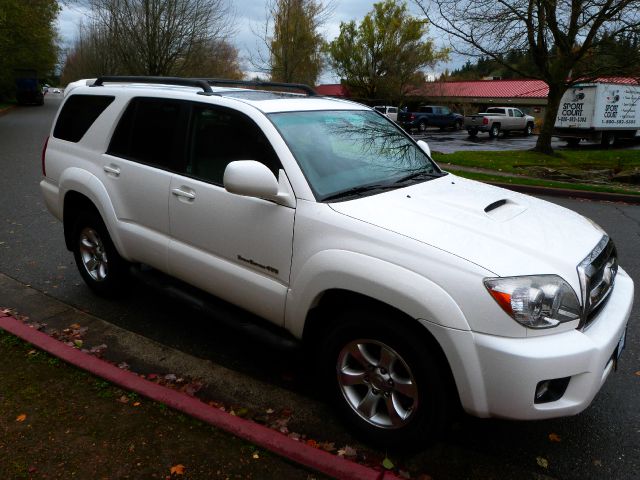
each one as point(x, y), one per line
point(112, 169)
point(184, 192)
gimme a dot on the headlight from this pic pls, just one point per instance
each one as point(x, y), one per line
point(537, 301)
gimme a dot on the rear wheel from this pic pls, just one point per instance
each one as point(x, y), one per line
point(495, 131)
point(97, 259)
point(422, 126)
point(472, 132)
point(385, 382)
point(573, 142)
point(458, 125)
point(607, 140)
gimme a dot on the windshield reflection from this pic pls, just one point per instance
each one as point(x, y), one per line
point(343, 151)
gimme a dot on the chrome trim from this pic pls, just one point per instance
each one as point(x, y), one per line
point(600, 265)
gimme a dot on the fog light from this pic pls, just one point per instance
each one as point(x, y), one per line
point(551, 390)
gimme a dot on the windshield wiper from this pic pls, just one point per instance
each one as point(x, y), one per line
point(420, 175)
point(350, 192)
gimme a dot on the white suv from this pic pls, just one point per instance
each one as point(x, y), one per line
point(415, 289)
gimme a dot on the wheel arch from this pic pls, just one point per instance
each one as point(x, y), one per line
point(82, 190)
point(320, 322)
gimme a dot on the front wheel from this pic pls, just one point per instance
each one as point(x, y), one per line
point(458, 125)
point(384, 381)
point(528, 130)
point(97, 259)
point(422, 127)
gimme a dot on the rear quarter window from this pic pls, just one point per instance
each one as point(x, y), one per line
point(78, 114)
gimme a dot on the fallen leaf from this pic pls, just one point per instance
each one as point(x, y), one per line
point(123, 399)
point(123, 366)
point(543, 462)
point(597, 463)
point(327, 446)
point(32, 352)
point(136, 404)
point(78, 343)
point(21, 418)
point(255, 455)
point(347, 451)
point(170, 377)
point(638, 373)
point(312, 443)
point(387, 463)
point(75, 326)
point(152, 376)
point(270, 411)
point(554, 437)
point(177, 469)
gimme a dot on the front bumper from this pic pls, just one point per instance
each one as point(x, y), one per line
point(497, 376)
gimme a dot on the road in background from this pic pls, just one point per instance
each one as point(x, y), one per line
point(603, 441)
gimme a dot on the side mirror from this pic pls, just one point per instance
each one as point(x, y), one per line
point(425, 147)
point(250, 179)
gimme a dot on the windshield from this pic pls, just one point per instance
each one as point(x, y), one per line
point(346, 152)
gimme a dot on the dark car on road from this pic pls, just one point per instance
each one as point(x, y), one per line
point(431, 116)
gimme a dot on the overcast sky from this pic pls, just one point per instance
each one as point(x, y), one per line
point(250, 16)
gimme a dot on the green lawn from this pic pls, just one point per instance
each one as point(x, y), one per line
point(517, 161)
point(484, 177)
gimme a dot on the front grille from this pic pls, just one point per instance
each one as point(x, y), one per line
point(597, 274)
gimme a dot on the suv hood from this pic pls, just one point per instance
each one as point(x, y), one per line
point(502, 231)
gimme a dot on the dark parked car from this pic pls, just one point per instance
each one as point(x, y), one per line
point(431, 116)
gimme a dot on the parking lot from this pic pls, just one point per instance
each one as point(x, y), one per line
point(449, 141)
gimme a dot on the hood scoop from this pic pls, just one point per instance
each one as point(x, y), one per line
point(504, 209)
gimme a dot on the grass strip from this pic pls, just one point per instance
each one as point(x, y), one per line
point(485, 177)
point(516, 161)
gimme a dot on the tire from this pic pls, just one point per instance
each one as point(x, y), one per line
point(495, 131)
point(608, 140)
point(99, 263)
point(573, 142)
point(422, 126)
point(458, 125)
point(473, 132)
point(528, 130)
point(385, 383)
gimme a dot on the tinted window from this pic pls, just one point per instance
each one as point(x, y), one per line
point(393, 110)
point(426, 109)
point(152, 131)
point(496, 110)
point(78, 114)
point(220, 136)
point(446, 111)
point(510, 112)
point(518, 113)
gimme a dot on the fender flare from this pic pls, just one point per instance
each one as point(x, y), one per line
point(79, 180)
point(403, 289)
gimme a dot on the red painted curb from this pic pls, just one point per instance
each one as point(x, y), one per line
point(260, 435)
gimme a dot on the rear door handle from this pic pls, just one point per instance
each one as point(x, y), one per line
point(184, 192)
point(112, 169)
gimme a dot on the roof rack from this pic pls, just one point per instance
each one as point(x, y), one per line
point(204, 83)
point(184, 82)
point(259, 83)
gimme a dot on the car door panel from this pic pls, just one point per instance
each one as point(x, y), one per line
point(235, 247)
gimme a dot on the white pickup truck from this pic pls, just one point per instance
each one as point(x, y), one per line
point(499, 119)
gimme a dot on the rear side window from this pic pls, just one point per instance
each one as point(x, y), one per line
point(78, 114)
point(152, 131)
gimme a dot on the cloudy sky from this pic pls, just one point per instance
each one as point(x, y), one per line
point(250, 16)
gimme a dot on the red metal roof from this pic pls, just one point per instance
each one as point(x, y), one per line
point(485, 89)
point(332, 90)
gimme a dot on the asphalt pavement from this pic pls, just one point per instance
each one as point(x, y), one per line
point(603, 441)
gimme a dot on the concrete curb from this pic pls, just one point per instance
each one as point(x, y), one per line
point(567, 192)
point(257, 434)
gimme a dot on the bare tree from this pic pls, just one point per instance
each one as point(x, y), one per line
point(558, 34)
point(293, 41)
point(161, 37)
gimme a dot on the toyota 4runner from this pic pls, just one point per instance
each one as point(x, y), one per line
point(416, 290)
